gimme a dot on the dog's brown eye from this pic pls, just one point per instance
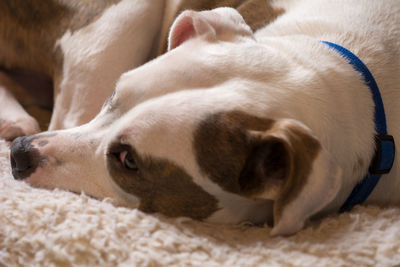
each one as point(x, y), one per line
point(127, 161)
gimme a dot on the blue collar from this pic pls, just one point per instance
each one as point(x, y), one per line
point(385, 147)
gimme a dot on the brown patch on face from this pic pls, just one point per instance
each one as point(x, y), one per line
point(161, 186)
point(222, 144)
point(248, 155)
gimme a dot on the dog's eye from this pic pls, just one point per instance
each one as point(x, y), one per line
point(122, 156)
point(127, 161)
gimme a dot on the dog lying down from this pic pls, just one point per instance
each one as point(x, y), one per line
point(230, 125)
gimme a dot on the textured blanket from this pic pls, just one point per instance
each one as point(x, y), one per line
point(44, 228)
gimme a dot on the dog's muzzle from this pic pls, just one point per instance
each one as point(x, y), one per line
point(24, 158)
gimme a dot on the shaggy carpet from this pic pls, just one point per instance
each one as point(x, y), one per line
point(56, 228)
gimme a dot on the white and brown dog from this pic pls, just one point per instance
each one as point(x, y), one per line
point(233, 125)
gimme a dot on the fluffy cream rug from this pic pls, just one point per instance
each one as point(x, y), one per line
point(43, 228)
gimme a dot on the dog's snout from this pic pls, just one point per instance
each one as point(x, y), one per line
point(23, 158)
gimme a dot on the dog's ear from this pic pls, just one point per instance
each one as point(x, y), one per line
point(289, 165)
point(214, 24)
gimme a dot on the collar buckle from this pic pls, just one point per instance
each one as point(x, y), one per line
point(384, 156)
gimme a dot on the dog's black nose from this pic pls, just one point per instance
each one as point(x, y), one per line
point(24, 158)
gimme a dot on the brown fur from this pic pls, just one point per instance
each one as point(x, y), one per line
point(161, 186)
point(222, 144)
point(266, 167)
point(248, 155)
point(29, 30)
point(33, 90)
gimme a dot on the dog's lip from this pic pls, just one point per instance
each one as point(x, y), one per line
point(38, 180)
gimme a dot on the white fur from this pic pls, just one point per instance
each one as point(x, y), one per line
point(318, 194)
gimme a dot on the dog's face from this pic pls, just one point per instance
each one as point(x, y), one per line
point(196, 133)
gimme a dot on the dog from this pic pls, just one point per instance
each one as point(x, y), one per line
point(234, 125)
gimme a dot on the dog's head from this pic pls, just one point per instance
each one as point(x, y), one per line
point(199, 132)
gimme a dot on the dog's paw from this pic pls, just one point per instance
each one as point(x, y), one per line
point(9, 130)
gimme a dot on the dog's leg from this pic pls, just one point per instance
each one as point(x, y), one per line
point(95, 56)
point(14, 120)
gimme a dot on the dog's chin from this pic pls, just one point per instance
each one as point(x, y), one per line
point(38, 180)
point(46, 179)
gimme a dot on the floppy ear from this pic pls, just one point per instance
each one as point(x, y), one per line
point(288, 165)
point(210, 24)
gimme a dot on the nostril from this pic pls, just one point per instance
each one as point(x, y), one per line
point(22, 158)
